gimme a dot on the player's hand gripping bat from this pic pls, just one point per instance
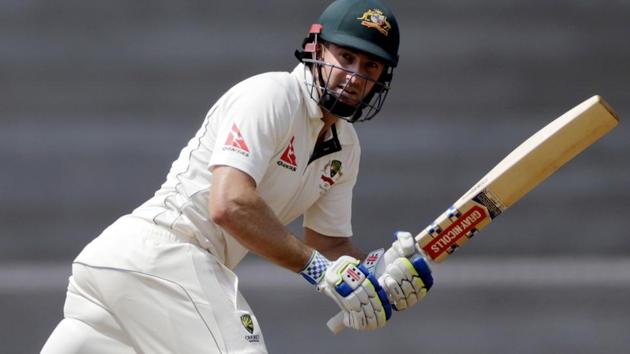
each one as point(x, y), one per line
point(524, 168)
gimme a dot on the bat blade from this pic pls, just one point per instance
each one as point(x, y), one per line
point(523, 169)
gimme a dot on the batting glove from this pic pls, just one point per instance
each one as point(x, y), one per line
point(402, 271)
point(362, 300)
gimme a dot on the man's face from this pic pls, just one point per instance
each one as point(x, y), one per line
point(357, 75)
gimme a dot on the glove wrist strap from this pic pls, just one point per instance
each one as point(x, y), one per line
point(315, 268)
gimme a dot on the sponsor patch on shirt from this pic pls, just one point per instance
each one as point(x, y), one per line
point(288, 159)
point(235, 142)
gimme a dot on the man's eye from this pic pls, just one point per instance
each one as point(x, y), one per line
point(372, 66)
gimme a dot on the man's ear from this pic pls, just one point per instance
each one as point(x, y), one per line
point(319, 51)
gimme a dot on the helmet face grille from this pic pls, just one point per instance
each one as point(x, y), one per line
point(367, 26)
point(331, 99)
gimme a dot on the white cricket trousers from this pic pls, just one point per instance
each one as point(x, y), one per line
point(137, 288)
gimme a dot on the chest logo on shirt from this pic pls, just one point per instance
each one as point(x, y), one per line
point(330, 174)
point(288, 159)
point(235, 142)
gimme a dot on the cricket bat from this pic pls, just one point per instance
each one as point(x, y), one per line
point(520, 171)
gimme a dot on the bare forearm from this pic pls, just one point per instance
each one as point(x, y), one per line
point(236, 206)
point(255, 226)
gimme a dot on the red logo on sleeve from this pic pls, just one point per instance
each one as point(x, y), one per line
point(235, 141)
point(288, 159)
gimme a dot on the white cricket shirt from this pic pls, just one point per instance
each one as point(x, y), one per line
point(265, 126)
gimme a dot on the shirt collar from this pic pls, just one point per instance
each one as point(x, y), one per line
point(347, 134)
point(305, 77)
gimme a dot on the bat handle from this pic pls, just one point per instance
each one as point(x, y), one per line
point(335, 324)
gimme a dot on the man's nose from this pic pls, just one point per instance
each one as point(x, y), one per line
point(355, 77)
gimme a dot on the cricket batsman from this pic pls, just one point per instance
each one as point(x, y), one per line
point(273, 147)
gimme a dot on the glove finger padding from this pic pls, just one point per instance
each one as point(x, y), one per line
point(407, 281)
point(374, 309)
point(358, 294)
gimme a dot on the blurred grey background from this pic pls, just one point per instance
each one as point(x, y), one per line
point(97, 99)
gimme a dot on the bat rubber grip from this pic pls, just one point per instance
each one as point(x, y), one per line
point(335, 324)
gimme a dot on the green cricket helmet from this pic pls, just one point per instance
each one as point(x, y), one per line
point(367, 26)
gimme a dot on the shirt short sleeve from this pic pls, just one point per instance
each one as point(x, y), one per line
point(331, 214)
point(252, 119)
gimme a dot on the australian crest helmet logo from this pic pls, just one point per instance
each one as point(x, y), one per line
point(374, 18)
point(247, 322)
